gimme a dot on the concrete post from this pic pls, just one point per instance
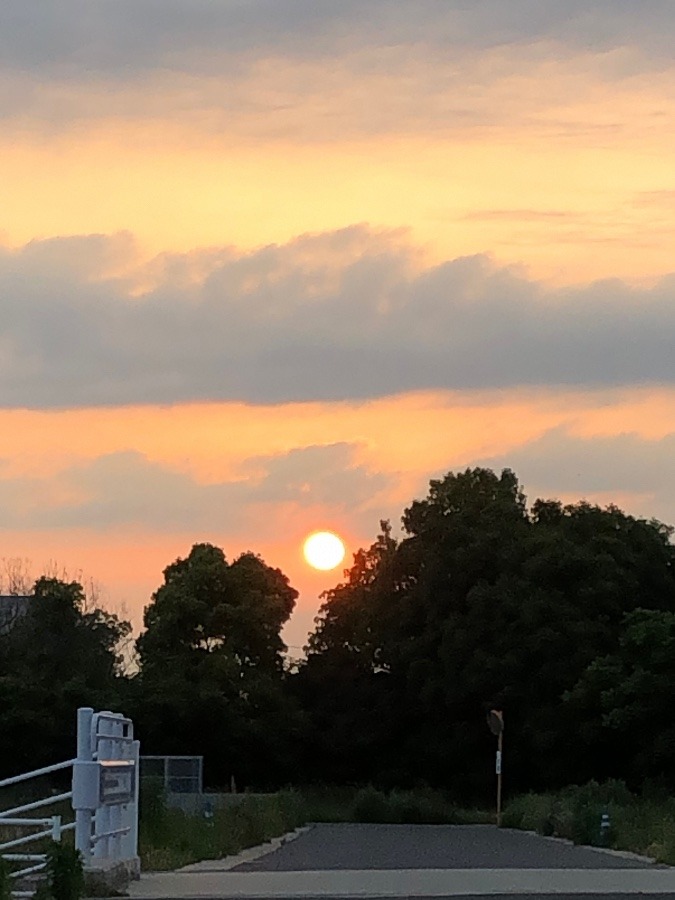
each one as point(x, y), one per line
point(118, 751)
point(133, 834)
point(83, 817)
point(103, 727)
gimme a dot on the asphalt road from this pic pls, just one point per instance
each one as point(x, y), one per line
point(346, 846)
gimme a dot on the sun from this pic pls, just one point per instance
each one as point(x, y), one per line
point(324, 550)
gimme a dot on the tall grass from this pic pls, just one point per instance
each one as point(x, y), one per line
point(641, 824)
point(422, 806)
point(169, 838)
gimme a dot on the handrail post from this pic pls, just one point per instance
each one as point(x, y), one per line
point(133, 834)
point(129, 846)
point(56, 829)
point(117, 751)
point(104, 729)
point(83, 817)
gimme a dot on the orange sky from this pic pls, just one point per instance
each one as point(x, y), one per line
point(201, 149)
point(386, 452)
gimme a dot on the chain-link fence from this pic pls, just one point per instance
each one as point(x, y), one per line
point(178, 774)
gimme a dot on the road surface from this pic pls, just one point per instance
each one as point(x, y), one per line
point(345, 846)
point(402, 862)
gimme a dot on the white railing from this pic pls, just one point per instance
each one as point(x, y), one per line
point(51, 827)
point(104, 798)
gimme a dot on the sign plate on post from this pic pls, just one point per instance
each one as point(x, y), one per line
point(495, 720)
point(117, 781)
point(498, 763)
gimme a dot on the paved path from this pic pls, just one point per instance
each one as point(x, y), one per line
point(330, 847)
point(396, 862)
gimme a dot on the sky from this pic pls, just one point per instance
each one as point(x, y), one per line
point(268, 266)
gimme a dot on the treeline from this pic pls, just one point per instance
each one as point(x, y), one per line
point(561, 616)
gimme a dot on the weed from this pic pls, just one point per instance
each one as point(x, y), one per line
point(5, 880)
point(642, 824)
point(65, 873)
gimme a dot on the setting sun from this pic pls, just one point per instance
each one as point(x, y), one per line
point(324, 550)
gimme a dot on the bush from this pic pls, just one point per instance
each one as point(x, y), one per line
point(327, 804)
point(371, 805)
point(533, 812)
point(5, 880)
point(644, 825)
point(423, 807)
point(65, 872)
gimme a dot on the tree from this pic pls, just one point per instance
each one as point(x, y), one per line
point(631, 693)
point(343, 684)
point(484, 604)
point(212, 665)
point(55, 658)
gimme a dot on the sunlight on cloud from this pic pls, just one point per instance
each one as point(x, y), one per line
point(399, 135)
point(267, 267)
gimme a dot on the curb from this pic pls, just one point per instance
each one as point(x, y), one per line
point(622, 854)
point(247, 855)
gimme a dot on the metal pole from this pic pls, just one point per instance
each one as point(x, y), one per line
point(500, 747)
point(83, 817)
point(133, 834)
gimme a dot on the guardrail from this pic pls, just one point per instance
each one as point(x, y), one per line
point(52, 826)
point(104, 798)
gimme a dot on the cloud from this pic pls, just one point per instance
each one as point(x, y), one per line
point(126, 489)
point(276, 68)
point(125, 36)
point(627, 469)
point(346, 315)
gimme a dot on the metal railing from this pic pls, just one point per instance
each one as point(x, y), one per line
point(52, 827)
point(104, 798)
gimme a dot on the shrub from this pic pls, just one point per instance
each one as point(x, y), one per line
point(371, 805)
point(327, 804)
point(533, 812)
point(65, 872)
point(422, 807)
point(5, 880)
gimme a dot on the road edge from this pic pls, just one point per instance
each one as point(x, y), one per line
point(247, 855)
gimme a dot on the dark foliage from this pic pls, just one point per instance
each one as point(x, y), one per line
point(561, 616)
point(57, 657)
point(211, 675)
point(483, 604)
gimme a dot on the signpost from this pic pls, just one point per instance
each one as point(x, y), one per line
point(495, 722)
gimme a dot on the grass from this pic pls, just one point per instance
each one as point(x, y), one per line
point(641, 824)
point(422, 806)
point(169, 839)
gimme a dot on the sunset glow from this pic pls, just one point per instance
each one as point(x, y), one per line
point(266, 266)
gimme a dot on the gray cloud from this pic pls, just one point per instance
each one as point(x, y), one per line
point(125, 36)
point(127, 489)
point(328, 317)
point(623, 466)
point(307, 66)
